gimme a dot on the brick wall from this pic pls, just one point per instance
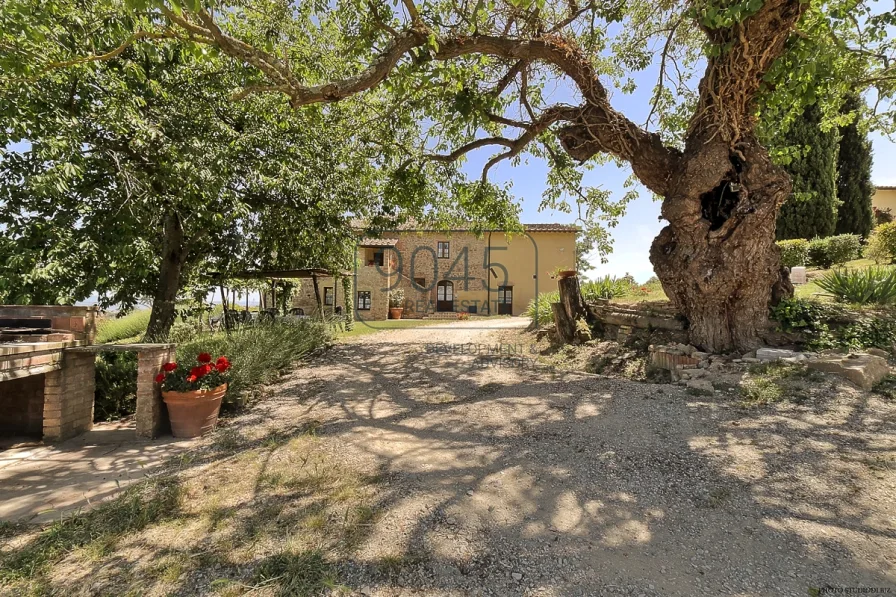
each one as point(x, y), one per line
point(152, 416)
point(79, 320)
point(22, 405)
point(68, 397)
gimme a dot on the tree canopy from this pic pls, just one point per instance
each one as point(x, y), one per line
point(464, 76)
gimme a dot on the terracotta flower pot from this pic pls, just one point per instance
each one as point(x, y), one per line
point(194, 413)
point(569, 273)
point(395, 312)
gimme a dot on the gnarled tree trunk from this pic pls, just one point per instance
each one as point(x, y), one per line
point(717, 258)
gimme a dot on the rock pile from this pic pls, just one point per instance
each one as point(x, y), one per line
point(703, 371)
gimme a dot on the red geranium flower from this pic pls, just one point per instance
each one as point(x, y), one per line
point(222, 367)
point(222, 359)
point(204, 357)
point(191, 378)
point(169, 367)
point(197, 372)
point(160, 378)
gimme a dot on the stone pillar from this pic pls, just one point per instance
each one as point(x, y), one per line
point(152, 417)
point(68, 397)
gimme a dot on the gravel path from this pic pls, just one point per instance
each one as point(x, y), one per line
point(517, 481)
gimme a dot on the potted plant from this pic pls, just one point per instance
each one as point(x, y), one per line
point(566, 273)
point(396, 300)
point(193, 394)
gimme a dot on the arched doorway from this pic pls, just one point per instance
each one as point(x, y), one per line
point(445, 296)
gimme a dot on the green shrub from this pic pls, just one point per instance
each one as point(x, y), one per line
point(834, 250)
point(814, 319)
point(539, 308)
point(116, 386)
point(121, 328)
point(607, 288)
point(845, 247)
point(877, 332)
point(861, 286)
point(259, 352)
point(882, 243)
point(794, 252)
point(809, 317)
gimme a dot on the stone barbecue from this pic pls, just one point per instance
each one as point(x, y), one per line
point(46, 390)
point(47, 373)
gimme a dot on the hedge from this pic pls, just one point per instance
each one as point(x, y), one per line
point(794, 252)
point(834, 250)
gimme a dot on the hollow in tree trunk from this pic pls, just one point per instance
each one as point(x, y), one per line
point(717, 259)
point(174, 255)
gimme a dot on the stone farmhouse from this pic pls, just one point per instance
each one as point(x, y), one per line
point(493, 273)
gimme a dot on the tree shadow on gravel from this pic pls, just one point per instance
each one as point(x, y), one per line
point(350, 478)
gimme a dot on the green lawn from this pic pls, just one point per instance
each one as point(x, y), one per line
point(809, 290)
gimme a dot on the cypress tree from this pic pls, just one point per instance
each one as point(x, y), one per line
point(854, 188)
point(812, 208)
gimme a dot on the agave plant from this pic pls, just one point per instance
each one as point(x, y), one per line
point(861, 286)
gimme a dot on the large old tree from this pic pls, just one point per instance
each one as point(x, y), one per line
point(484, 73)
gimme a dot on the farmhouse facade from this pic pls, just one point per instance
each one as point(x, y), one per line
point(459, 271)
point(884, 198)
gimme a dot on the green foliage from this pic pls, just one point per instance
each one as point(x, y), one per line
point(396, 298)
point(830, 326)
point(875, 285)
point(810, 159)
point(834, 250)
point(767, 383)
point(854, 188)
point(882, 243)
point(258, 353)
point(808, 317)
point(96, 158)
point(115, 329)
point(116, 386)
point(539, 309)
point(606, 288)
point(794, 252)
point(868, 332)
point(347, 294)
point(583, 247)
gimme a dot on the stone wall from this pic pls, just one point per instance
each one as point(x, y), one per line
point(68, 397)
point(22, 405)
point(650, 323)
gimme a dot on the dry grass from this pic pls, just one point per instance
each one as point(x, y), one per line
point(270, 517)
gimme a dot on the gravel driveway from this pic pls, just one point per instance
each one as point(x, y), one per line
point(518, 481)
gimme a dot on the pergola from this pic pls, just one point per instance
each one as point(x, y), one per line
point(274, 275)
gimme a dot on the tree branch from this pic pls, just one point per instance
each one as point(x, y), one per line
point(463, 149)
point(599, 127)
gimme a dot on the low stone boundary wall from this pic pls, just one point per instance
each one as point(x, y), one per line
point(651, 322)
